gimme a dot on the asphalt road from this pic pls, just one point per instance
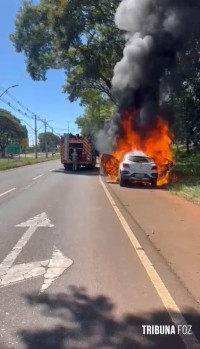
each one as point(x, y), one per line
point(91, 264)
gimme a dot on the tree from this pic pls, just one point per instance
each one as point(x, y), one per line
point(50, 139)
point(183, 84)
point(96, 115)
point(77, 36)
point(11, 130)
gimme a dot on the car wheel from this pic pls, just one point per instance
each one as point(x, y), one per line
point(121, 181)
point(154, 183)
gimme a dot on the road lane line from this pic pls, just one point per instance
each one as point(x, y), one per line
point(33, 179)
point(52, 170)
point(8, 191)
point(173, 310)
point(28, 186)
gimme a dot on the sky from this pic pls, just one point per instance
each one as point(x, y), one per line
point(43, 98)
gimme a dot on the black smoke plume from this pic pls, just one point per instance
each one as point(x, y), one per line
point(155, 30)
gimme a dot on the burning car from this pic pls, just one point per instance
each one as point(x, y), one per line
point(136, 166)
point(109, 165)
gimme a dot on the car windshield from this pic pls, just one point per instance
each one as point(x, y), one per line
point(139, 159)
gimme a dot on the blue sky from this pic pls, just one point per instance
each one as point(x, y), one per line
point(43, 98)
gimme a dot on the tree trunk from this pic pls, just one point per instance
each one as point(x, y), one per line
point(2, 152)
point(188, 145)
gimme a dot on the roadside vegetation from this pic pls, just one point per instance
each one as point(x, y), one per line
point(6, 164)
point(11, 131)
point(14, 134)
point(185, 177)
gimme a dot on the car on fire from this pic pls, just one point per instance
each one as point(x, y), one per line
point(138, 167)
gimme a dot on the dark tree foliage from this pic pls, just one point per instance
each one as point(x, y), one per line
point(184, 84)
point(11, 130)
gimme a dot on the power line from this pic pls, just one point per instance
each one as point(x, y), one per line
point(15, 108)
point(33, 115)
point(30, 115)
point(22, 106)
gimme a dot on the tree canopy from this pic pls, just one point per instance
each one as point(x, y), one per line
point(77, 36)
point(95, 116)
point(184, 94)
point(11, 130)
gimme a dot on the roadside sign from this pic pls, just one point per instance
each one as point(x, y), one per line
point(24, 143)
point(13, 149)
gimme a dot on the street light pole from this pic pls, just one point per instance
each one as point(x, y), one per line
point(36, 154)
point(45, 131)
point(7, 89)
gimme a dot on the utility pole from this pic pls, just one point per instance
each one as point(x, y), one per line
point(52, 146)
point(68, 127)
point(45, 131)
point(36, 154)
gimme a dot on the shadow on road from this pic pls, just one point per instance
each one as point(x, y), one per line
point(143, 186)
point(96, 172)
point(82, 172)
point(89, 322)
point(4, 346)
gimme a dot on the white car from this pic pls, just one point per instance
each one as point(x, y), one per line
point(137, 167)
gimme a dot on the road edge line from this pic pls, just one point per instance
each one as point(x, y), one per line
point(190, 340)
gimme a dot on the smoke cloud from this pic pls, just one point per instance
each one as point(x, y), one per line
point(155, 30)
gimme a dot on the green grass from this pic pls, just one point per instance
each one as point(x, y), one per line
point(185, 177)
point(6, 164)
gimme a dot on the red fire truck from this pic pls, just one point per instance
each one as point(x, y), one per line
point(84, 149)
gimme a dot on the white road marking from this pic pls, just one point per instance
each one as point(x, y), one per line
point(56, 267)
point(33, 179)
point(38, 221)
point(28, 186)
point(7, 192)
point(52, 170)
point(173, 310)
point(51, 269)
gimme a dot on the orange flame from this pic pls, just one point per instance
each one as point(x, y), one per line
point(156, 143)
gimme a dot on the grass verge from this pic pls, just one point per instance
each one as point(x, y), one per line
point(185, 177)
point(6, 164)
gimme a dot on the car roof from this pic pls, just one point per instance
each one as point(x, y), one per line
point(137, 153)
